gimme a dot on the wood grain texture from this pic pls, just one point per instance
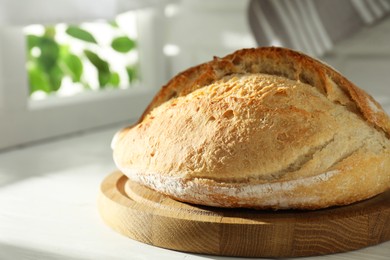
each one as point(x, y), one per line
point(150, 217)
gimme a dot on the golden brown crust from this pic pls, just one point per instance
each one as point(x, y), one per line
point(276, 61)
point(262, 128)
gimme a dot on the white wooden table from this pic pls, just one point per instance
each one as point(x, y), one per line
point(48, 208)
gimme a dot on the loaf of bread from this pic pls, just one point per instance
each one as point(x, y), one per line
point(266, 128)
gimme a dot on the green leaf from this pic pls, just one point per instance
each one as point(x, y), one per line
point(32, 41)
point(50, 32)
point(37, 78)
point(64, 50)
point(49, 53)
point(72, 66)
point(114, 79)
point(55, 78)
point(132, 72)
point(102, 67)
point(80, 34)
point(104, 78)
point(123, 44)
point(100, 64)
point(114, 24)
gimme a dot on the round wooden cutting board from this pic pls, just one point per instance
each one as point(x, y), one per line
point(155, 219)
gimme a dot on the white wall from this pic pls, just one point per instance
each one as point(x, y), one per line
point(203, 29)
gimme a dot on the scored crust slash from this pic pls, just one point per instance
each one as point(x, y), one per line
point(265, 128)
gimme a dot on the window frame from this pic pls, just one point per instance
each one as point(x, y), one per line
point(24, 121)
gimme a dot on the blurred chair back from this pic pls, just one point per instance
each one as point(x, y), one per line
point(312, 26)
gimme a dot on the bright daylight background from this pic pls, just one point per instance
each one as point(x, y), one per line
point(64, 59)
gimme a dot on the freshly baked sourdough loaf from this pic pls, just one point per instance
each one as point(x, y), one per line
point(260, 128)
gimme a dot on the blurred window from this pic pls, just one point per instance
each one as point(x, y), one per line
point(66, 59)
point(63, 76)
